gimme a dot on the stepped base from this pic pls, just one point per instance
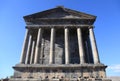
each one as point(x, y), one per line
point(70, 72)
point(15, 79)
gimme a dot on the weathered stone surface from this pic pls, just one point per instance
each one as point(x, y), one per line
point(66, 49)
point(59, 71)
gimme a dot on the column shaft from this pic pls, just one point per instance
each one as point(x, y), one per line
point(89, 49)
point(28, 50)
point(94, 46)
point(80, 45)
point(87, 52)
point(66, 46)
point(38, 45)
point(32, 52)
point(23, 53)
point(52, 40)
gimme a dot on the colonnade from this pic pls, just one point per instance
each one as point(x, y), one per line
point(30, 51)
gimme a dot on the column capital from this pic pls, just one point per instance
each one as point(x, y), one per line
point(91, 27)
point(52, 27)
point(66, 27)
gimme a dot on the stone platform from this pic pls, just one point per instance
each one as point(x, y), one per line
point(57, 72)
point(59, 79)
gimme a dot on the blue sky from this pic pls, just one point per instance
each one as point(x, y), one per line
point(12, 29)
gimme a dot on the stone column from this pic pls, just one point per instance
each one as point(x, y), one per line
point(66, 46)
point(28, 49)
point(87, 51)
point(52, 40)
point(32, 52)
point(94, 46)
point(23, 53)
point(38, 45)
point(80, 45)
point(42, 51)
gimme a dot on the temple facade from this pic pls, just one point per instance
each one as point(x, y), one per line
point(59, 45)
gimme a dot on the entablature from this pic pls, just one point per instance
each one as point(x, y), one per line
point(59, 26)
point(61, 21)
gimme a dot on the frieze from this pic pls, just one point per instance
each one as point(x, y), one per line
point(59, 21)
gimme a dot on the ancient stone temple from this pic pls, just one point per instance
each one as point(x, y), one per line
point(59, 45)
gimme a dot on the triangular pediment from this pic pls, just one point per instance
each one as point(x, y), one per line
point(59, 13)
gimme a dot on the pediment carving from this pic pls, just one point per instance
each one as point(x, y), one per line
point(59, 13)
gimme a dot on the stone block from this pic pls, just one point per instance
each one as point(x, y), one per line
point(55, 79)
point(105, 79)
point(73, 79)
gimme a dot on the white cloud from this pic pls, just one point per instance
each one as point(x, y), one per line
point(114, 68)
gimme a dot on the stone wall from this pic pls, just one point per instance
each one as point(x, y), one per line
point(52, 71)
